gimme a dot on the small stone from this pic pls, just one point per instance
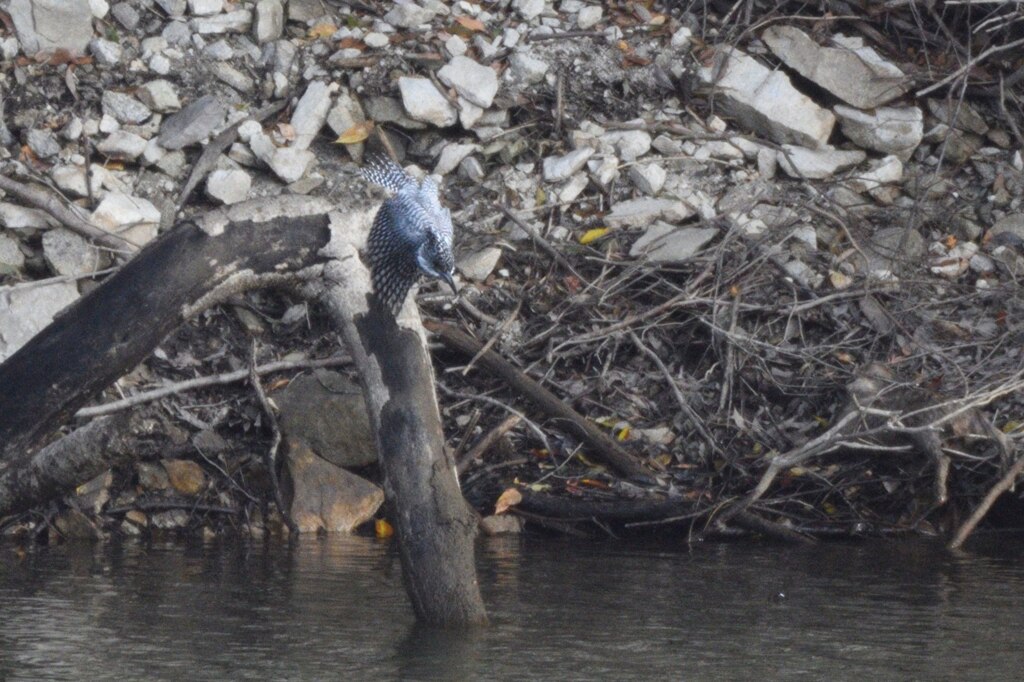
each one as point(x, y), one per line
point(124, 108)
point(43, 143)
point(475, 82)
point(408, 15)
point(25, 311)
point(15, 217)
point(664, 243)
point(134, 218)
point(589, 16)
point(192, 124)
point(424, 102)
point(681, 39)
point(109, 124)
point(177, 33)
point(291, 163)
point(159, 64)
point(559, 168)
point(884, 171)
point(228, 186)
point(126, 15)
point(122, 145)
point(185, 476)
point(502, 524)
point(99, 8)
point(69, 254)
point(527, 67)
point(478, 266)
point(202, 8)
point(346, 113)
point(173, 8)
point(228, 74)
point(456, 46)
point(238, 21)
point(648, 178)
point(269, 21)
point(11, 257)
point(451, 156)
point(159, 95)
point(106, 52)
point(573, 188)
point(890, 130)
point(310, 114)
point(376, 40)
point(528, 9)
point(630, 144)
point(643, 212)
point(817, 164)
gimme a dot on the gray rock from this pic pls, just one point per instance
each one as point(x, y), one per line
point(890, 130)
point(192, 124)
point(228, 186)
point(50, 25)
point(311, 113)
point(589, 17)
point(106, 52)
point(69, 254)
point(238, 21)
point(43, 143)
point(408, 15)
point(681, 39)
point(958, 114)
point(177, 33)
point(665, 243)
point(527, 68)
point(325, 497)
point(817, 164)
point(71, 179)
point(475, 82)
point(134, 218)
point(122, 145)
point(1012, 223)
point(854, 73)
point(451, 156)
point(643, 212)
point(159, 95)
point(649, 178)
point(124, 108)
point(126, 15)
point(173, 8)
point(559, 168)
point(630, 144)
point(15, 217)
point(765, 101)
point(304, 11)
point(424, 102)
point(269, 21)
point(202, 8)
point(528, 9)
point(478, 266)
point(25, 311)
point(11, 257)
point(377, 40)
point(327, 411)
point(885, 171)
point(346, 113)
point(228, 74)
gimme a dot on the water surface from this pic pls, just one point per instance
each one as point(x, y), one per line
point(561, 610)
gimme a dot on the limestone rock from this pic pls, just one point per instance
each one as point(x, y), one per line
point(346, 113)
point(663, 242)
point(424, 102)
point(851, 71)
point(269, 21)
point(408, 15)
point(475, 82)
point(559, 168)
point(134, 218)
point(159, 95)
point(69, 254)
point(15, 217)
point(643, 212)
point(228, 186)
point(11, 257)
point(890, 130)
point(51, 25)
point(124, 108)
point(478, 266)
point(192, 124)
point(817, 164)
point(238, 21)
point(24, 311)
point(122, 145)
point(310, 114)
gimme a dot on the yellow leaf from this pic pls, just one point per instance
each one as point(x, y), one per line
point(593, 235)
point(541, 197)
point(322, 31)
point(510, 498)
point(357, 133)
point(829, 508)
point(383, 529)
point(623, 434)
point(1010, 426)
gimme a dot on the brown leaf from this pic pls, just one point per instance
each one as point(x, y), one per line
point(357, 133)
point(325, 30)
point(185, 476)
point(470, 23)
point(510, 498)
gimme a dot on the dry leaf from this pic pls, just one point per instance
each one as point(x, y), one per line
point(357, 133)
point(593, 235)
point(383, 529)
point(470, 23)
point(510, 498)
point(325, 30)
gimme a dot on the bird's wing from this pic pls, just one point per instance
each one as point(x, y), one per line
point(395, 237)
point(382, 171)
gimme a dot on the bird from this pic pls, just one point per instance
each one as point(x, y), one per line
point(411, 235)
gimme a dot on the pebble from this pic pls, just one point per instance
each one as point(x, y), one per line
point(159, 95)
point(69, 254)
point(376, 40)
point(408, 15)
point(122, 145)
point(479, 266)
point(529, 9)
point(105, 52)
point(475, 82)
point(43, 143)
point(132, 217)
point(559, 168)
point(648, 178)
point(228, 186)
point(268, 24)
point(238, 21)
point(311, 113)
point(201, 8)
point(527, 68)
point(589, 16)
point(424, 102)
point(192, 124)
point(666, 243)
point(124, 108)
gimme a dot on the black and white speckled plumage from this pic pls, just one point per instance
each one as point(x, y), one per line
point(411, 234)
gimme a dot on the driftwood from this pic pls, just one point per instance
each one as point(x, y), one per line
point(118, 324)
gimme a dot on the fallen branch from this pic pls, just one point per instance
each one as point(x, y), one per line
point(604, 448)
point(1001, 486)
point(487, 442)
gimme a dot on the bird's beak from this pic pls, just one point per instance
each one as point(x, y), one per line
point(451, 282)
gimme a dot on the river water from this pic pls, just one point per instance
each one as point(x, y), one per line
point(562, 610)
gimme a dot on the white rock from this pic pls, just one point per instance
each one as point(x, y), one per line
point(69, 254)
point(850, 71)
point(765, 101)
point(681, 39)
point(817, 164)
point(10, 47)
point(469, 114)
point(122, 145)
point(605, 170)
point(890, 130)
point(376, 40)
point(589, 16)
point(884, 171)
point(528, 9)
point(11, 257)
point(99, 8)
point(424, 102)
point(228, 186)
point(527, 67)
point(238, 21)
point(133, 218)
point(642, 212)
point(268, 23)
point(456, 46)
point(15, 217)
point(51, 25)
point(649, 178)
point(478, 266)
point(510, 37)
point(201, 8)
point(630, 144)
point(346, 113)
point(663, 242)
point(559, 168)
point(25, 311)
point(124, 108)
point(160, 65)
point(71, 179)
point(291, 163)
point(43, 143)
point(159, 95)
point(767, 163)
point(451, 156)
point(311, 113)
point(106, 52)
point(475, 82)
point(408, 15)
point(573, 188)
